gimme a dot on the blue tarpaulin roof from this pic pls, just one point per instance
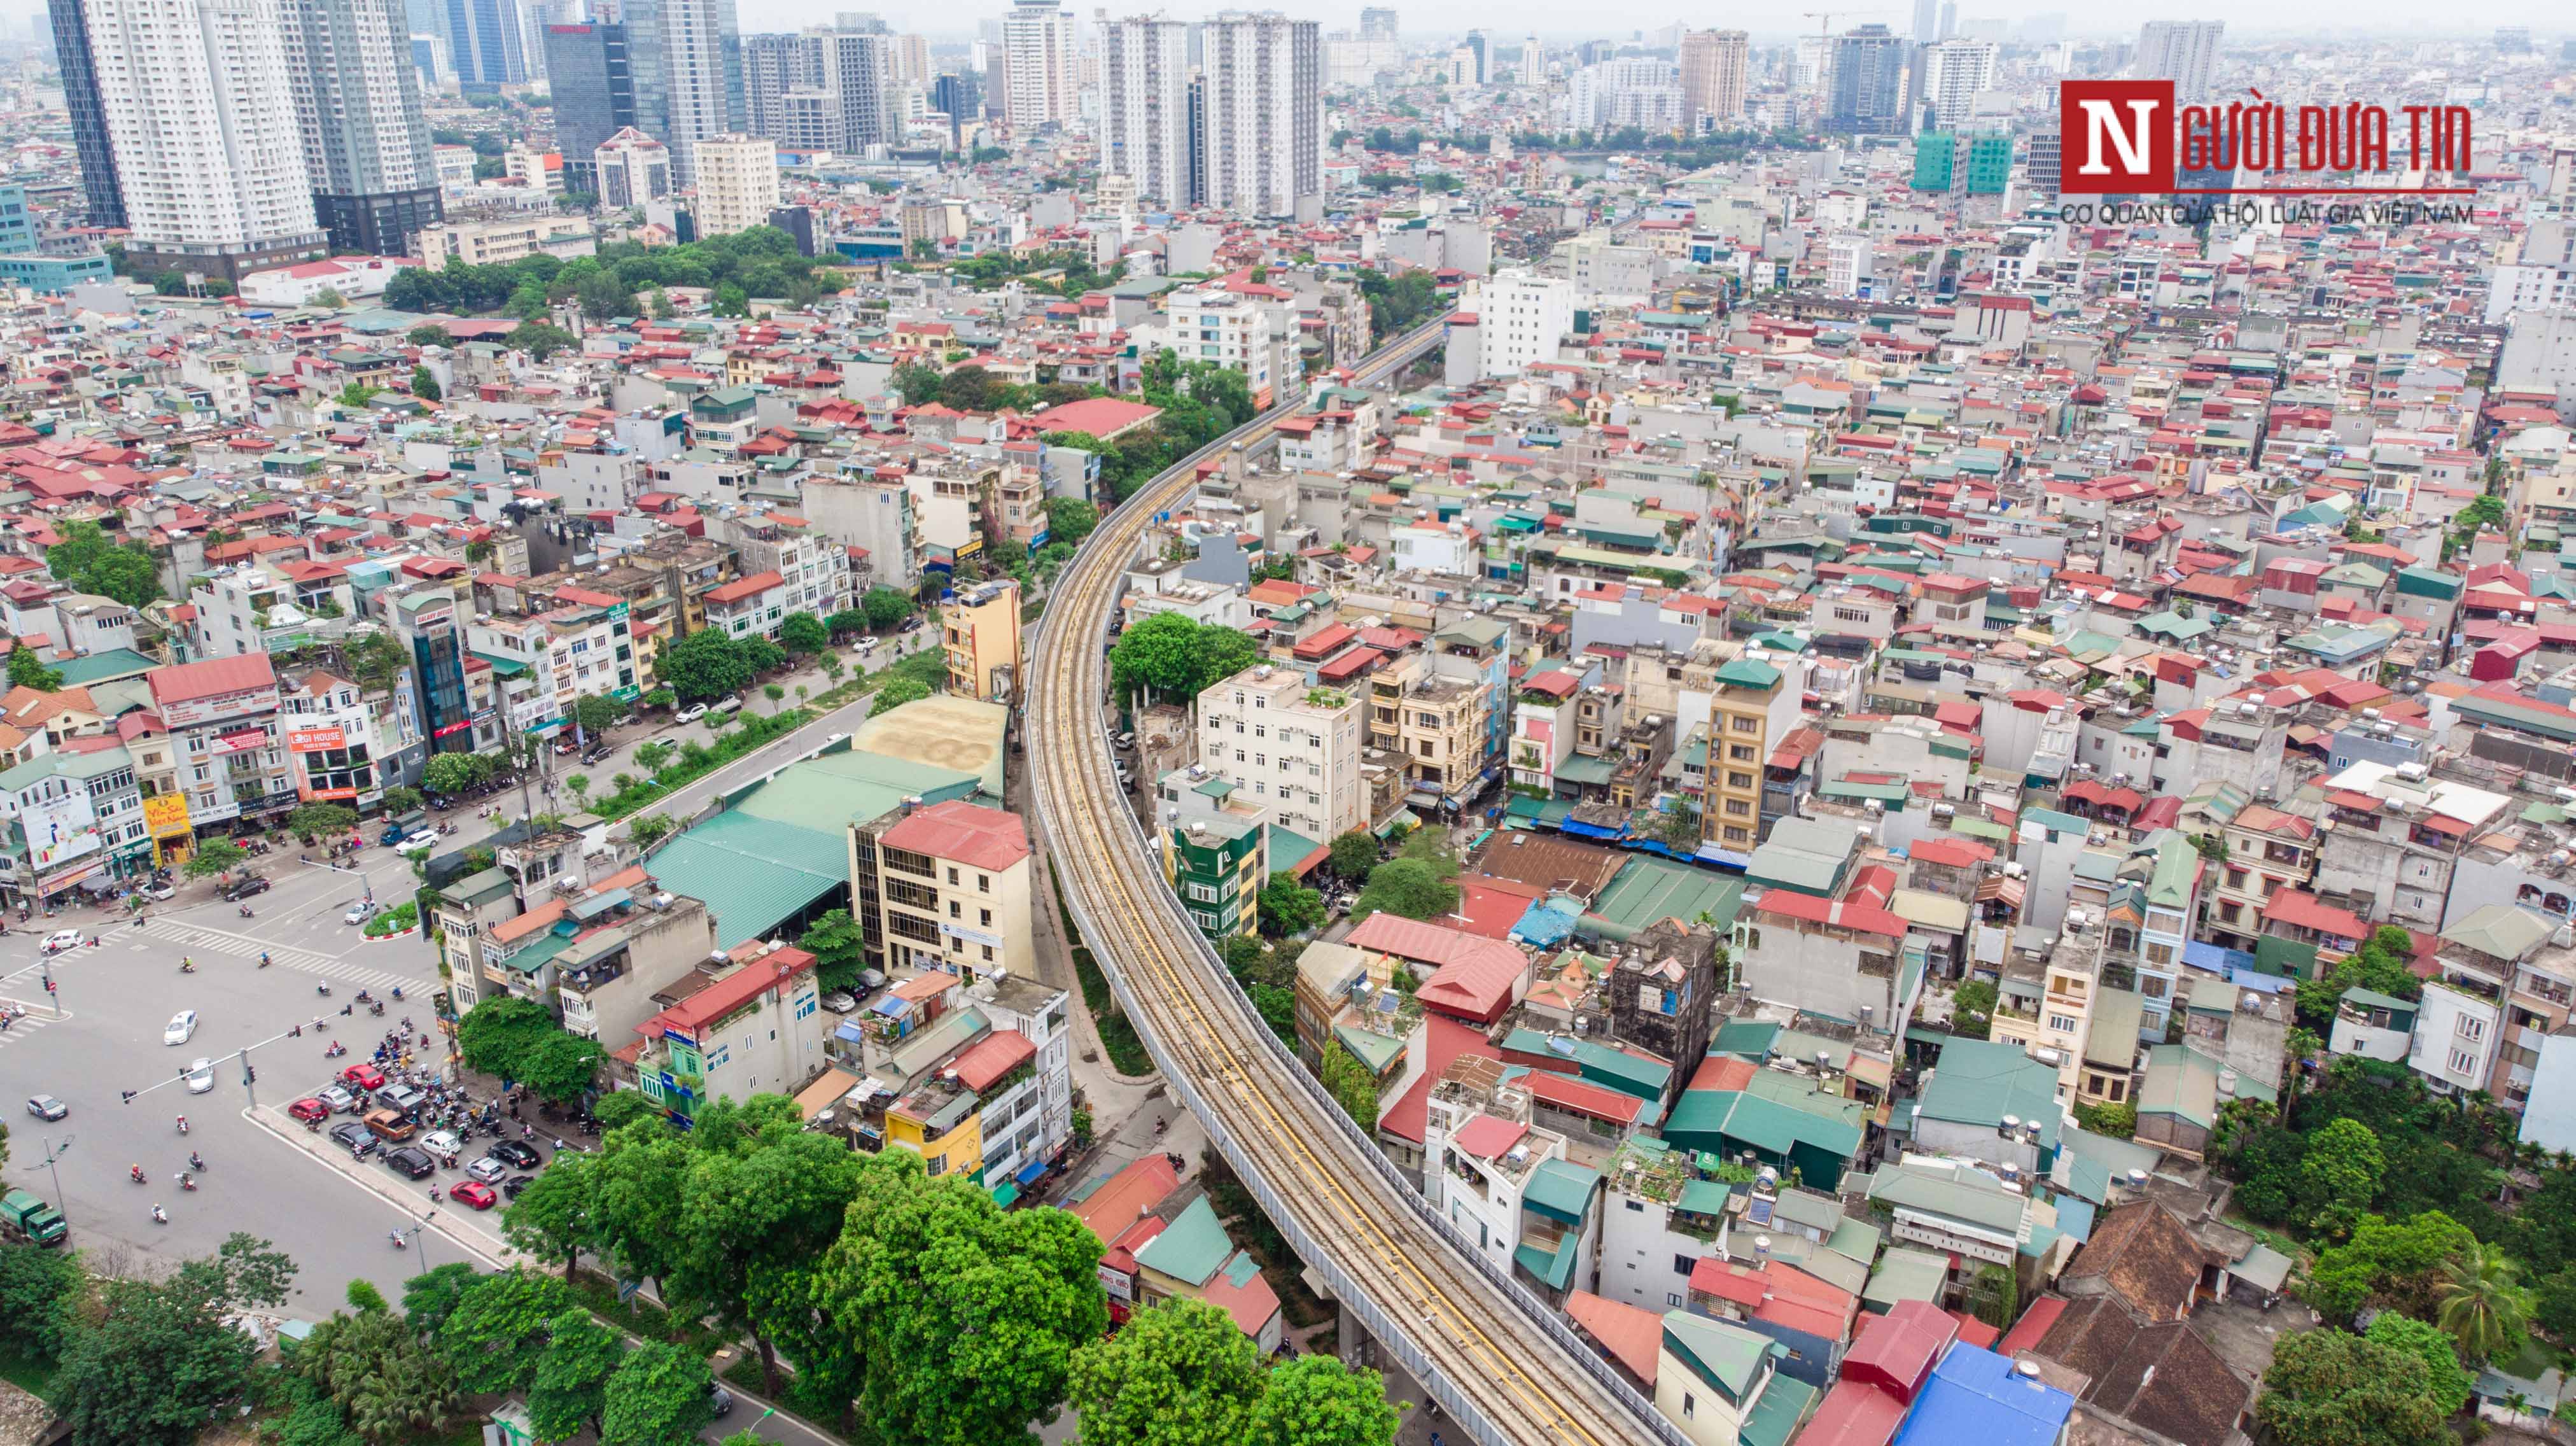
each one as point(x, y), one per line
point(892, 1007)
point(1030, 1171)
point(849, 1032)
point(1545, 926)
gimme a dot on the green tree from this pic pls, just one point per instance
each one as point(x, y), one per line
point(1351, 1085)
point(2444, 1381)
point(884, 607)
point(213, 857)
point(803, 633)
point(1972, 1009)
point(2119, 1122)
point(704, 666)
point(373, 661)
point(767, 1208)
point(633, 1201)
point(321, 818)
point(651, 756)
point(1407, 887)
point(615, 1111)
point(449, 773)
point(1318, 1401)
point(579, 783)
point(649, 829)
point(539, 339)
point(896, 693)
point(387, 1380)
point(358, 394)
point(400, 799)
point(1070, 519)
point(1175, 657)
point(1354, 854)
point(162, 1357)
point(27, 670)
point(2481, 1305)
point(2338, 1176)
point(429, 336)
point(552, 1218)
point(424, 384)
point(493, 1336)
point(849, 622)
point(568, 1388)
point(2380, 964)
point(1995, 1296)
point(431, 1296)
point(916, 382)
point(1180, 1373)
point(2333, 1388)
point(85, 560)
point(597, 713)
point(1289, 907)
point(657, 1396)
point(963, 1319)
point(40, 1289)
point(839, 948)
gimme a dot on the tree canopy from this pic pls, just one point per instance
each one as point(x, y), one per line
point(704, 666)
point(518, 1039)
point(1174, 657)
point(87, 561)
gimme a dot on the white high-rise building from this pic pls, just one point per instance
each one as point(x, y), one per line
point(737, 183)
point(1263, 141)
point(1714, 68)
point(201, 114)
point(1522, 317)
point(1954, 72)
point(2182, 51)
point(1041, 79)
point(1145, 132)
point(633, 169)
point(702, 82)
point(863, 101)
point(366, 141)
point(1289, 747)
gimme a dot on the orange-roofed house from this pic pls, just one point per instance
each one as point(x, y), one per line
point(750, 1025)
point(954, 887)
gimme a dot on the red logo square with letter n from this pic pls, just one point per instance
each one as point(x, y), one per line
point(2115, 136)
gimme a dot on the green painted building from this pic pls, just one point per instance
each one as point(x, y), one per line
point(1990, 158)
point(1217, 864)
point(1936, 159)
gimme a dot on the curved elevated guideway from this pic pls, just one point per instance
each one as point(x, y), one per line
point(1503, 1365)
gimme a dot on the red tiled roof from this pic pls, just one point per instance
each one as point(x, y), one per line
point(983, 838)
point(1114, 1204)
point(213, 678)
point(723, 997)
point(992, 1057)
point(752, 586)
point(1487, 1136)
point(1632, 1335)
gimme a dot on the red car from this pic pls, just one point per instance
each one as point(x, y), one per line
point(474, 1193)
point(309, 1110)
point(364, 1076)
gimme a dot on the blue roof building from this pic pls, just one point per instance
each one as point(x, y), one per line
point(1976, 1398)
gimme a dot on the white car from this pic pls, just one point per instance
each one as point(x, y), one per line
point(488, 1170)
point(158, 893)
point(182, 1027)
point(62, 939)
point(690, 714)
point(359, 913)
point(201, 1077)
point(414, 847)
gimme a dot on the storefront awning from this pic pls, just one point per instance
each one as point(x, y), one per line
point(1029, 1172)
point(1005, 1193)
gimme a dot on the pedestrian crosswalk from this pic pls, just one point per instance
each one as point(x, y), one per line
point(195, 939)
point(40, 1015)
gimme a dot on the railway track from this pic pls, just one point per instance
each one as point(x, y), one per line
point(1502, 1365)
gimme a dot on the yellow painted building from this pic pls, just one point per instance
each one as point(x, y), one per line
point(981, 629)
point(1745, 694)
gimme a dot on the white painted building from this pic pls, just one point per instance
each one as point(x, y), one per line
point(1289, 747)
point(700, 45)
point(195, 95)
point(633, 169)
point(737, 179)
point(1955, 72)
point(2456, 1032)
point(349, 277)
point(1263, 139)
point(1227, 328)
point(1523, 318)
point(1040, 80)
point(1145, 103)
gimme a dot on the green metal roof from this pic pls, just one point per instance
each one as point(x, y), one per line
point(1904, 1274)
point(1645, 890)
point(1727, 1356)
point(1776, 1412)
point(1979, 1081)
point(1561, 1189)
point(751, 872)
point(1191, 1247)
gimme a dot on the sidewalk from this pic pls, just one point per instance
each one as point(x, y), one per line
point(478, 1233)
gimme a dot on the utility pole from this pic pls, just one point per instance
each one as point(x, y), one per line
point(51, 1155)
point(250, 1078)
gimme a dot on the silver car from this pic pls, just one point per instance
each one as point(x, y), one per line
point(488, 1170)
point(201, 1077)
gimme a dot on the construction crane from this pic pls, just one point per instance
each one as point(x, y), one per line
point(1825, 19)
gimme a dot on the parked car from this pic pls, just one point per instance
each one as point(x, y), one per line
point(158, 893)
point(721, 1400)
point(412, 1161)
point(62, 939)
point(390, 1125)
point(181, 1029)
point(46, 1107)
point(440, 1143)
point(355, 1138)
point(839, 1002)
point(247, 887)
point(690, 714)
point(309, 1109)
point(201, 1076)
point(364, 1076)
point(516, 1154)
point(488, 1170)
point(474, 1193)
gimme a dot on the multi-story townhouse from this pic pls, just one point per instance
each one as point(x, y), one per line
point(1294, 747)
point(813, 570)
point(748, 1023)
point(553, 659)
point(224, 756)
point(980, 628)
point(952, 882)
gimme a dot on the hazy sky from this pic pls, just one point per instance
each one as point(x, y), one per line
point(1514, 18)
